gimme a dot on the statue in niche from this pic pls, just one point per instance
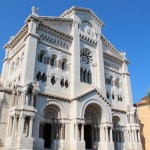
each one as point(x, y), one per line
point(29, 95)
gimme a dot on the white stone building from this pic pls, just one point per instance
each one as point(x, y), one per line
point(64, 86)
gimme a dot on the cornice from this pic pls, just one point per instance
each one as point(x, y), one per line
point(53, 96)
point(106, 41)
point(56, 19)
point(118, 110)
point(112, 57)
point(74, 8)
point(55, 32)
point(17, 38)
point(88, 40)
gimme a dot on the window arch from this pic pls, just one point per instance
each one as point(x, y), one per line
point(38, 76)
point(85, 76)
point(44, 78)
point(18, 62)
point(53, 60)
point(81, 74)
point(113, 96)
point(66, 84)
point(53, 80)
point(64, 64)
point(117, 83)
point(86, 27)
point(107, 94)
point(89, 77)
point(42, 57)
point(62, 83)
point(111, 80)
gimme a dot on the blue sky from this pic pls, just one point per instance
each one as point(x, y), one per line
point(127, 26)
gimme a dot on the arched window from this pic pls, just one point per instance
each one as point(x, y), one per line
point(38, 76)
point(53, 80)
point(105, 78)
point(85, 76)
point(89, 77)
point(117, 82)
point(86, 27)
point(53, 60)
point(18, 62)
point(111, 80)
point(64, 64)
point(44, 78)
point(107, 94)
point(66, 84)
point(118, 98)
point(81, 74)
point(62, 83)
point(113, 96)
point(42, 57)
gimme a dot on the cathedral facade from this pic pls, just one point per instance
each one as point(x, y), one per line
point(64, 86)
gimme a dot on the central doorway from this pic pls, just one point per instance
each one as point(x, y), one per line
point(88, 136)
point(47, 135)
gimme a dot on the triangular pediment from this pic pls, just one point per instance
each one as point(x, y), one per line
point(95, 90)
point(67, 13)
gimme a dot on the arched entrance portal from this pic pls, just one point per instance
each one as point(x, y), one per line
point(92, 118)
point(52, 128)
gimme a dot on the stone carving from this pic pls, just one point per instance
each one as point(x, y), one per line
point(34, 10)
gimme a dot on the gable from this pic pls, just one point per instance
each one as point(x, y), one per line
point(83, 11)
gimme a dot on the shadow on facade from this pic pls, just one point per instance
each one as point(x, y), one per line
point(142, 136)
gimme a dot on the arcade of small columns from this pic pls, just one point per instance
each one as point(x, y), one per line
point(58, 131)
point(21, 121)
point(99, 134)
point(20, 125)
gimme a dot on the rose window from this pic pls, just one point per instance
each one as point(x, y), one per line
point(85, 56)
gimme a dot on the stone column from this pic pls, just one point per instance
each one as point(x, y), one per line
point(64, 132)
point(19, 126)
point(99, 134)
point(106, 132)
point(52, 131)
point(139, 137)
point(102, 134)
point(9, 126)
point(31, 126)
point(111, 135)
point(61, 129)
point(14, 125)
point(76, 130)
point(94, 134)
point(82, 132)
point(22, 124)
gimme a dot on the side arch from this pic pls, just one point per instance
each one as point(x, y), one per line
point(106, 116)
point(63, 112)
point(121, 122)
